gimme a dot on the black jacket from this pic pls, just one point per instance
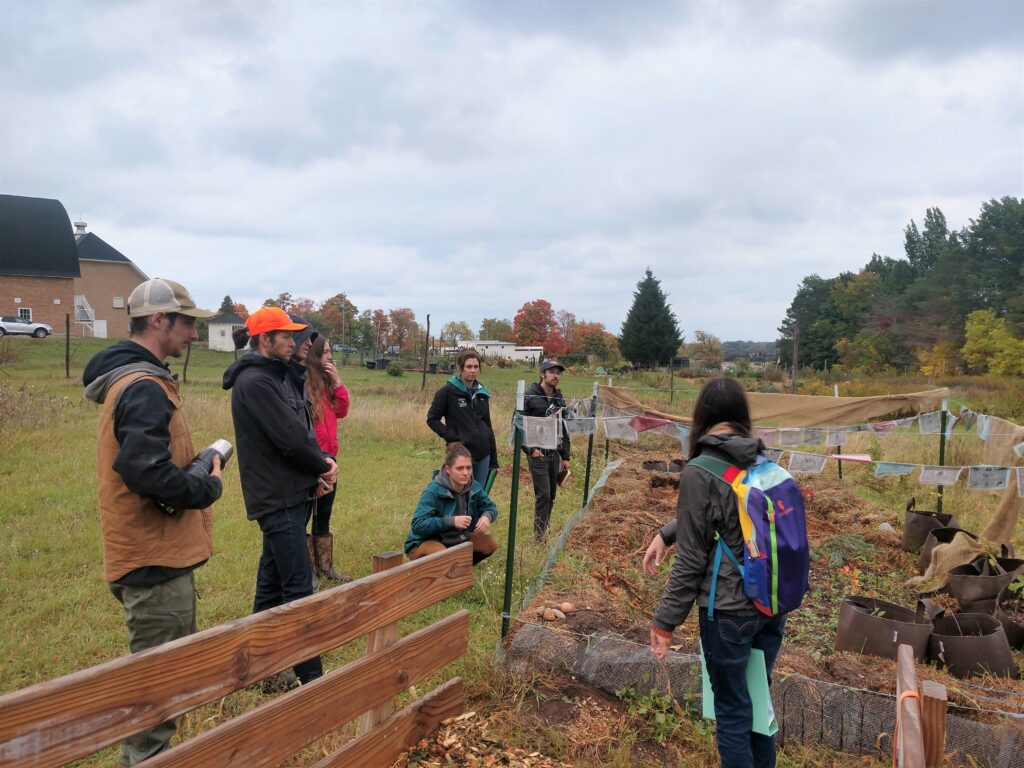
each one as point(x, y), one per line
point(706, 504)
point(536, 403)
point(467, 418)
point(278, 457)
point(141, 419)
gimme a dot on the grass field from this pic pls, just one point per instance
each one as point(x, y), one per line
point(58, 616)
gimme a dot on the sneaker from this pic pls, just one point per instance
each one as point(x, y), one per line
point(279, 682)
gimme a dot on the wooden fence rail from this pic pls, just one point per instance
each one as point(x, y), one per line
point(58, 721)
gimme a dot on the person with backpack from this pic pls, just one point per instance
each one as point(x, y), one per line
point(725, 561)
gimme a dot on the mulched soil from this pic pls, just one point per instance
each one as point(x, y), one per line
point(614, 595)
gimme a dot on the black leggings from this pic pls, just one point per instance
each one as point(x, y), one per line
point(321, 513)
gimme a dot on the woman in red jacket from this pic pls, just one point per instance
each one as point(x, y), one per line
point(329, 399)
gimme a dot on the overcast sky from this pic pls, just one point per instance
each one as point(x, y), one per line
point(461, 158)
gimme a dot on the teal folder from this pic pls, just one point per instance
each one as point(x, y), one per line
point(760, 696)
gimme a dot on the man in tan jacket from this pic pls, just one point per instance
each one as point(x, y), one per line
point(155, 517)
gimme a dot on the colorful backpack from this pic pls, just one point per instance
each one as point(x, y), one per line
point(776, 556)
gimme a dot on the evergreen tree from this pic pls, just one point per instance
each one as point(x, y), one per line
point(227, 306)
point(650, 335)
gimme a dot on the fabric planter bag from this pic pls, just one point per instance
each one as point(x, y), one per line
point(917, 525)
point(1013, 622)
point(878, 628)
point(970, 644)
point(937, 536)
point(981, 580)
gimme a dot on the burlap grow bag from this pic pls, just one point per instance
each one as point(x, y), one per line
point(1013, 626)
point(934, 538)
point(918, 524)
point(875, 627)
point(980, 581)
point(970, 644)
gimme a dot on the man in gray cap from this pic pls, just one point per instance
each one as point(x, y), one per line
point(155, 518)
point(544, 398)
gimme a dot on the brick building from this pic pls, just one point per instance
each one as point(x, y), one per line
point(48, 271)
point(101, 292)
point(38, 260)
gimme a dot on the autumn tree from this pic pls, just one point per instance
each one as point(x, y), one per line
point(336, 316)
point(991, 346)
point(493, 329)
point(650, 334)
point(706, 349)
point(535, 325)
point(241, 310)
point(403, 327)
point(456, 331)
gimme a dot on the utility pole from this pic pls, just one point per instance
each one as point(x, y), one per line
point(426, 348)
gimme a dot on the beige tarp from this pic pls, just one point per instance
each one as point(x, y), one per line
point(800, 410)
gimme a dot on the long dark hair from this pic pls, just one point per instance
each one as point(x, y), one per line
point(316, 380)
point(720, 400)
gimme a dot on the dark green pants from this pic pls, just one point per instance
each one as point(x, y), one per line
point(156, 615)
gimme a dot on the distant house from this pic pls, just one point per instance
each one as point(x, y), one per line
point(38, 260)
point(507, 350)
point(101, 293)
point(221, 328)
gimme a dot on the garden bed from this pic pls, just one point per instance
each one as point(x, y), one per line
point(603, 640)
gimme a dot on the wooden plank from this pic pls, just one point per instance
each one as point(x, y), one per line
point(378, 640)
point(933, 722)
point(908, 742)
point(384, 744)
point(280, 728)
point(54, 722)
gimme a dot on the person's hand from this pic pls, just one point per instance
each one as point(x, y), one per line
point(331, 475)
point(215, 469)
point(323, 488)
point(654, 555)
point(332, 374)
point(659, 645)
point(565, 463)
point(483, 525)
point(462, 522)
point(536, 453)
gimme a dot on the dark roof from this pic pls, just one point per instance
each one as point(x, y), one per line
point(227, 317)
point(94, 248)
point(36, 238)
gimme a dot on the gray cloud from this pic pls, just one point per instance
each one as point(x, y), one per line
point(462, 158)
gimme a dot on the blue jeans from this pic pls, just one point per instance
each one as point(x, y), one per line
point(284, 573)
point(726, 642)
point(480, 470)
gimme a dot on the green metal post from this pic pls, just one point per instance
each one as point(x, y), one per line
point(942, 454)
point(590, 448)
point(517, 444)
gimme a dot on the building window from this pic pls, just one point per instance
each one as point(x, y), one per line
point(25, 313)
point(223, 333)
point(17, 300)
point(119, 302)
point(56, 301)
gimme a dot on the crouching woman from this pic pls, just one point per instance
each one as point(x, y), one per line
point(453, 509)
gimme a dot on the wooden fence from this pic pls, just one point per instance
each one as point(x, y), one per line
point(920, 736)
point(58, 721)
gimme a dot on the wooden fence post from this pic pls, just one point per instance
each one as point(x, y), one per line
point(378, 639)
point(933, 722)
point(908, 743)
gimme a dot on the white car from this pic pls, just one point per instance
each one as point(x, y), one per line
point(18, 325)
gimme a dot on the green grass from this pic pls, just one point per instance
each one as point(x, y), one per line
point(58, 616)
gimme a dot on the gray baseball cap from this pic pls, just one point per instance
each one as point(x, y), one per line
point(162, 295)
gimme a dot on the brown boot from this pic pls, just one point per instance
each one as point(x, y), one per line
point(311, 553)
point(324, 545)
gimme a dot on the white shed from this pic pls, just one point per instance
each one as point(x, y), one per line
point(221, 328)
point(509, 351)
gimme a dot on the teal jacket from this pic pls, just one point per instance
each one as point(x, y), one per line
point(436, 510)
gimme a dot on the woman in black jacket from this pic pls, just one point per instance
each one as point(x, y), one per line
point(464, 405)
point(708, 509)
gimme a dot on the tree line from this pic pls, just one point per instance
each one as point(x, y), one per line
point(954, 303)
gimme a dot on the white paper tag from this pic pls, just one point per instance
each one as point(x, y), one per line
point(933, 475)
point(807, 463)
point(988, 478)
point(541, 432)
point(835, 436)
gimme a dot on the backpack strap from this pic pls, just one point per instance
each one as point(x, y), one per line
point(720, 469)
point(726, 472)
